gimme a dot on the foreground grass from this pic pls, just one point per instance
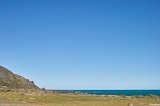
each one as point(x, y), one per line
point(49, 99)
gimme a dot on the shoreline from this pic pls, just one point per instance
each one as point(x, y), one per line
point(108, 93)
point(79, 92)
point(39, 98)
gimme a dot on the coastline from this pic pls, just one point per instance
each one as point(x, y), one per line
point(48, 98)
point(114, 92)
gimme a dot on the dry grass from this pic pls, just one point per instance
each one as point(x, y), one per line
point(46, 99)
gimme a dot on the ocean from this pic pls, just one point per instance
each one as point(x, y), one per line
point(115, 92)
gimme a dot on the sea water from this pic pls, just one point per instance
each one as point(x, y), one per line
point(115, 92)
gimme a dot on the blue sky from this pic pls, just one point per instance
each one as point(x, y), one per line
point(82, 44)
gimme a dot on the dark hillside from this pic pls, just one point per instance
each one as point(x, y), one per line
point(14, 81)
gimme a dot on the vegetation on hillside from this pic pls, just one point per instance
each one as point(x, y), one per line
point(14, 81)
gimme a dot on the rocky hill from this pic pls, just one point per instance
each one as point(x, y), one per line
point(14, 81)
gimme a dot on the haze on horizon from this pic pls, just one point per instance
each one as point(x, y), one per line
point(82, 44)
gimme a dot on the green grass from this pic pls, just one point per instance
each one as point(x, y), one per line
point(49, 99)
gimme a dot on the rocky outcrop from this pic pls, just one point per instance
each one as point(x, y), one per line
point(14, 81)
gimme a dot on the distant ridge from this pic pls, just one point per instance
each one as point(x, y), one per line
point(14, 81)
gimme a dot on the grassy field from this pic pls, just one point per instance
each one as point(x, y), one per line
point(49, 99)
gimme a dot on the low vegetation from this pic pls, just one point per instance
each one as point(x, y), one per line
point(56, 99)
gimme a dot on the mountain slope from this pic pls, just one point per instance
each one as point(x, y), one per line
point(11, 80)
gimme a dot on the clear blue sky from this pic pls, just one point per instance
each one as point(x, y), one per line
point(82, 44)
